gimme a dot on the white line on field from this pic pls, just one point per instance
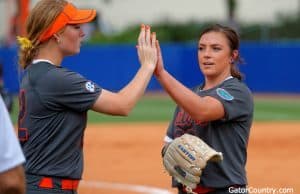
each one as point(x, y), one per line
point(123, 187)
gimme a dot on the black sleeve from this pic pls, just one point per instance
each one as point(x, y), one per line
point(61, 89)
point(237, 101)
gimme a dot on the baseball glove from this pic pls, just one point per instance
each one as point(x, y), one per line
point(186, 157)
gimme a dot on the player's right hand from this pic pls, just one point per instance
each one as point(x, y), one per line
point(146, 47)
point(160, 64)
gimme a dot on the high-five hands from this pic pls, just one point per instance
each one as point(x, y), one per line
point(146, 47)
point(160, 64)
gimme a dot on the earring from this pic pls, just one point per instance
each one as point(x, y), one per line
point(58, 41)
point(231, 61)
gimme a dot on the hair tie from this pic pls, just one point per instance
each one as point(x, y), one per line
point(24, 42)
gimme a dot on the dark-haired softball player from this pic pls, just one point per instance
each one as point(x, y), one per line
point(219, 111)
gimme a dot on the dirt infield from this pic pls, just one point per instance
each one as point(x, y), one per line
point(125, 158)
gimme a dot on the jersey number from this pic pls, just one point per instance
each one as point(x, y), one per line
point(22, 132)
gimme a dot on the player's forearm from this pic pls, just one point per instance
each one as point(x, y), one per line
point(183, 96)
point(135, 89)
point(178, 92)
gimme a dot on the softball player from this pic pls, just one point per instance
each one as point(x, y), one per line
point(219, 111)
point(54, 100)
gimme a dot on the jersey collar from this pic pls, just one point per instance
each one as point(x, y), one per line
point(42, 60)
point(201, 87)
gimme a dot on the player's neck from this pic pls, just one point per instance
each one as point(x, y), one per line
point(49, 55)
point(211, 82)
point(50, 51)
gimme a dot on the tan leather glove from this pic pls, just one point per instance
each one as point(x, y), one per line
point(186, 157)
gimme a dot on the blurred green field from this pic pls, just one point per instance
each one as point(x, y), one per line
point(155, 108)
point(272, 109)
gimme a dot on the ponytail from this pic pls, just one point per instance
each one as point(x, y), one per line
point(27, 51)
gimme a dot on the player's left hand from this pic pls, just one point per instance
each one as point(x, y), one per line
point(185, 158)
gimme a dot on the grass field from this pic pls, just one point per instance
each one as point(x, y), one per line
point(152, 108)
point(277, 109)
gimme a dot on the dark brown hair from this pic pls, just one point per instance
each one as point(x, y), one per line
point(234, 44)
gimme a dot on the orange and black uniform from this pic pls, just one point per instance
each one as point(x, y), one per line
point(53, 115)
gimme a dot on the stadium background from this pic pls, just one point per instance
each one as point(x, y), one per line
point(122, 155)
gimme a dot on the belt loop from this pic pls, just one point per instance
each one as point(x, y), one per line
point(46, 182)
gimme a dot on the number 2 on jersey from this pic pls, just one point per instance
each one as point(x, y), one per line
point(22, 132)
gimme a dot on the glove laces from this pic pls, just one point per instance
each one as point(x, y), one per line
point(189, 190)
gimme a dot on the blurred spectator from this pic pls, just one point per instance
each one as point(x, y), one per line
point(90, 28)
point(231, 14)
point(98, 25)
point(11, 36)
point(104, 26)
point(7, 97)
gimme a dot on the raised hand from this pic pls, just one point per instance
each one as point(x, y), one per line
point(146, 47)
point(160, 64)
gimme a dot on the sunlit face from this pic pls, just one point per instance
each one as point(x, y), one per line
point(70, 39)
point(214, 54)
